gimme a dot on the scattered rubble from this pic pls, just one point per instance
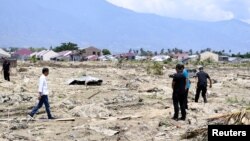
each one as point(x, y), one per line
point(85, 80)
point(22, 70)
point(130, 104)
point(11, 99)
point(91, 110)
point(154, 90)
point(17, 124)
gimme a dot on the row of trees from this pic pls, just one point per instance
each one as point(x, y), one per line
point(73, 46)
point(66, 46)
point(141, 51)
point(190, 52)
point(246, 55)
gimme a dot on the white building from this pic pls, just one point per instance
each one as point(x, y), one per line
point(63, 56)
point(46, 55)
point(140, 58)
point(33, 54)
point(160, 58)
point(193, 57)
point(4, 53)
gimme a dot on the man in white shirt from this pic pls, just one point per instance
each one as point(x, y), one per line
point(43, 95)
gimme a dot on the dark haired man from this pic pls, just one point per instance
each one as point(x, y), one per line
point(202, 84)
point(43, 95)
point(179, 89)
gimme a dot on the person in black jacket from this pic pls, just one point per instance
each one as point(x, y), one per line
point(6, 69)
point(202, 84)
point(179, 91)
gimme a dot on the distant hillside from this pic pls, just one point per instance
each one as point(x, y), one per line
point(97, 22)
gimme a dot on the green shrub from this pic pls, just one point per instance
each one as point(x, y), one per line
point(33, 59)
point(155, 69)
point(168, 61)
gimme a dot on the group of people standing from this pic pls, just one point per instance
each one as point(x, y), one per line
point(181, 85)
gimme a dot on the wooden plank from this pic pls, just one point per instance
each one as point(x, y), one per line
point(25, 119)
point(122, 117)
point(243, 75)
point(5, 120)
point(94, 95)
point(65, 119)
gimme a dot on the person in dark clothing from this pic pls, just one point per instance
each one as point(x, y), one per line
point(6, 69)
point(188, 84)
point(179, 86)
point(202, 84)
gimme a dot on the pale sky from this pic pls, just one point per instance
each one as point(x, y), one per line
point(204, 10)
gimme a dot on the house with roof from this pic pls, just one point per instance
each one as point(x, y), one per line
point(63, 56)
point(82, 54)
point(46, 55)
point(33, 54)
point(4, 54)
point(22, 54)
point(160, 58)
point(193, 57)
point(107, 58)
point(245, 60)
point(91, 51)
point(39, 54)
point(92, 58)
point(224, 58)
point(181, 56)
point(234, 59)
point(128, 56)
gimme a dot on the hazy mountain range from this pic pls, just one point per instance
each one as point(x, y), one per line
point(45, 23)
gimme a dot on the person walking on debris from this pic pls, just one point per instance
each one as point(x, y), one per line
point(42, 96)
point(188, 84)
point(6, 69)
point(179, 85)
point(202, 84)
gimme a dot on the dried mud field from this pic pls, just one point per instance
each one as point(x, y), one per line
point(130, 105)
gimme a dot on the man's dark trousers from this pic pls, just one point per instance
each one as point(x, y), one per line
point(198, 91)
point(186, 99)
point(179, 100)
point(44, 100)
point(6, 75)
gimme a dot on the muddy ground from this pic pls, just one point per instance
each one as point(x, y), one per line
point(130, 105)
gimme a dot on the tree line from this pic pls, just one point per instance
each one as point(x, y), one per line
point(141, 51)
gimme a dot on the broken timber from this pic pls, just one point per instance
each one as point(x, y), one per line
point(243, 75)
point(94, 95)
point(25, 119)
point(122, 117)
